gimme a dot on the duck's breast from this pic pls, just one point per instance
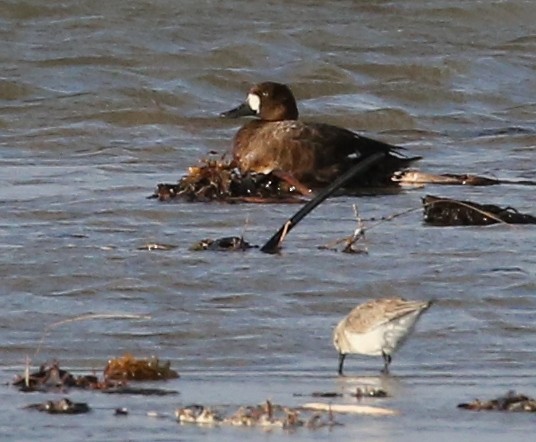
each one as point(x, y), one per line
point(285, 145)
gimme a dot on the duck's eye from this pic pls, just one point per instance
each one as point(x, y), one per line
point(265, 94)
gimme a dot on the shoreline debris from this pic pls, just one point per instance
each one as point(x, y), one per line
point(62, 406)
point(274, 243)
point(511, 401)
point(450, 212)
point(51, 378)
point(416, 178)
point(349, 242)
point(127, 367)
point(221, 180)
point(351, 409)
point(226, 244)
point(266, 415)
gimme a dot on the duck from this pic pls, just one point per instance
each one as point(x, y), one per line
point(314, 154)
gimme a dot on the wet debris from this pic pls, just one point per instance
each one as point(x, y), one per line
point(197, 414)
point(349, 243)
point(511, 401)
point(218, 179)
point(350, 409)
point(266, 415)
point(128, 367)
point(226, 244)
point(156, 246)
point(51, 378)
point(373, 392)
point(62, 406)
point(418, 178)
point(273, 245)
point(361, 392)
point(415, 177)
point(326, 394)
point(449, 212)
point(138, 391)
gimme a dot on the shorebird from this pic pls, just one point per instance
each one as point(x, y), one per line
point(377, 327)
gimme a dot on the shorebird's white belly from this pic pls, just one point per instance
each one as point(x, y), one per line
point(386, 337)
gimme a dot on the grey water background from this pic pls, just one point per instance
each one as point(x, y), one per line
point(100, 101)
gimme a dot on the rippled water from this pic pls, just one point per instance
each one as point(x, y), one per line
point(100, 101)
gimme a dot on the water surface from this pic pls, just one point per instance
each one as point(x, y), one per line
point(100, 101)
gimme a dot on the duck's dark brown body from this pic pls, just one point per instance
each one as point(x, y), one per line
point(313, 153)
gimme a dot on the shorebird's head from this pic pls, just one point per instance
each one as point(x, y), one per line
point(340, 342)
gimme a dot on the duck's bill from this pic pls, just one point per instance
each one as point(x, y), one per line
point(241, 111)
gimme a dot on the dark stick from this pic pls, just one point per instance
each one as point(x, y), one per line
point(272, 245)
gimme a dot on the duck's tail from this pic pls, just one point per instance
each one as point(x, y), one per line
point(381, 174)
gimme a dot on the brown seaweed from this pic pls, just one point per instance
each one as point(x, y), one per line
point(51, 378)
point(128, 367)
point(449, 212)
point(221, 180)
point(511, 401)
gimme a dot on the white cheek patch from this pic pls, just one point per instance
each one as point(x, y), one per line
point(254, 102)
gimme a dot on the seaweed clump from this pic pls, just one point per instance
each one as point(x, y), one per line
point(226, 244)
point(62, 406)
point(128, 367)
point(450, 212)
point(509, 402)
point(221, 180)
point(51, 378)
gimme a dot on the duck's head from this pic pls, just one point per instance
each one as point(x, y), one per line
point(268, 101)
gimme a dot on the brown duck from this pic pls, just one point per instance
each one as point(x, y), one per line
point(313, 153)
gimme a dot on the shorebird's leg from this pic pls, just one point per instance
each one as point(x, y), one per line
point(341, 362)
point(386, 361)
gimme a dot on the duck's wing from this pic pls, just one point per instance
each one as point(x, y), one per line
point(314, 153)
point(348, 143)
